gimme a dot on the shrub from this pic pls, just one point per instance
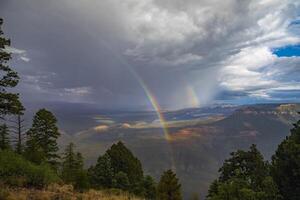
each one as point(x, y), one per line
point(3, 193)
point(18, 172)
point(169, 187)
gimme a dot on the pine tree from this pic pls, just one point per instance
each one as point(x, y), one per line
point(245, 175)
point(123, 160)
point(122, 181)
point(169, 187)
point(69, 164)
point(119, 168)
point(9, 102)
point(20, 133)
point(213, 189)
point(18, 128)
point(102, 174)
point(286, 165)
point(79, 160)
point(72, 168)
point(247, 165)
point(149, 187)
point(43, 136)
point(4, 140)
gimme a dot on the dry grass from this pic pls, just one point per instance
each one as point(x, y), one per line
point(65, 192)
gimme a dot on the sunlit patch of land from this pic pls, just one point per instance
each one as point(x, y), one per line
point(172, 123)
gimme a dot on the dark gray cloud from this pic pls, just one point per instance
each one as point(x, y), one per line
point(85, 51)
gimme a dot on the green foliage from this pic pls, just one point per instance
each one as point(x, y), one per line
point(69, 164)
point(42, 138)
point(234, 189)
point(123, 160)
point(245, 164)
point(16, 171)
point(18, 129)
point(3, 193)
point(119, 168)
point(237, 188)
point(149, 186)
point(122, 181)
point(286, 165)
point(102, 174)
point(9, 102)
point(34, 152)
point(117, 159)
point(72, 169)
point(82, 181)
point(4, 140)
point(169, 187)
point(244, 176)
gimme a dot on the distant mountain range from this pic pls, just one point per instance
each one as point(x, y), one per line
point(200, 138)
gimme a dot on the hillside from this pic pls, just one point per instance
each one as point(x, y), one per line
point(198, 146)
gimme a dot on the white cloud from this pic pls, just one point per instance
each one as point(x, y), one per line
point(78, 91)
point(14, 50)
point(26, 59)
point(246, 70)
point(259, 73)
point(235, 37)
point(20, 53)
point(209, 45)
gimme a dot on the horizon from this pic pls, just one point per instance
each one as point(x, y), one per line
point(94, 107)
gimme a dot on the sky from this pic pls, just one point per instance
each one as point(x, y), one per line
point(181, 53)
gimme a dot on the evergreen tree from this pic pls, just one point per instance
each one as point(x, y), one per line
point(79, 160)
point(17, 128)
point(123, 160)
point(244, 176)
point(9, 102)
point(122, 181)
point(69, 164)
point(169, 187)
point(213, 189)
point(43, 136)
point(20, 133)
point(4, 140)
point(245, 164)
point(286, 165)
point(102, 174)
point(72, 168)
point(119, 168)
point(33, 150)
point(149, 186)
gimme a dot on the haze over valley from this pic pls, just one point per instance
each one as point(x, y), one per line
point(200, 139)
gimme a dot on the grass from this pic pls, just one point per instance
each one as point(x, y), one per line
point(64, 192)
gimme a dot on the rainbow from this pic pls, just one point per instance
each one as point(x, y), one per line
point(151, 98)
point(155, 105)
point(192, 96)
point(159, 113)
point(147, 91)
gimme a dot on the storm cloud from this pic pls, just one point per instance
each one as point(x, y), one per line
point(92, 51)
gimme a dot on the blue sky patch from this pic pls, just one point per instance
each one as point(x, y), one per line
point(287, 51)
